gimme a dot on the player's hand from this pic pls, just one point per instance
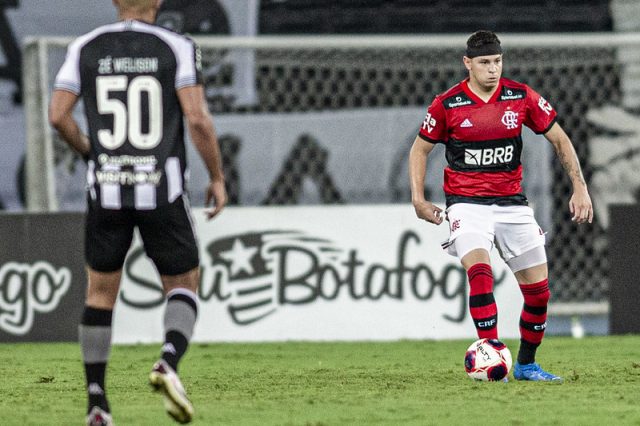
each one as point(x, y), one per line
point(580, 206)
point(217, 193)
point(428, 211)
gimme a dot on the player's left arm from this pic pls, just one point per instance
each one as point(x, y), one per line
point(580, 202)
point(61, 118)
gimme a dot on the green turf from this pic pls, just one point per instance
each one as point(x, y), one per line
point(399, 383)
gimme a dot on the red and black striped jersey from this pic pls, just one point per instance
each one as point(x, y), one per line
point(483, 139)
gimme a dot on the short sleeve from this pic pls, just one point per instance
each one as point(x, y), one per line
point(189, 72)
point(68, 77)
point(540, 114)
point(434, 126)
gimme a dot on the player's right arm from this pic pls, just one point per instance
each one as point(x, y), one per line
point(204, 138)
point(61, 118)
point(432, 131)
point(417, 172)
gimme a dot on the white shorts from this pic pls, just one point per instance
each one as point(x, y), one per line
point(513, 229)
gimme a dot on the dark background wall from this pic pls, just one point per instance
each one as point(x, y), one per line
point(432, 16)
point(624, 294)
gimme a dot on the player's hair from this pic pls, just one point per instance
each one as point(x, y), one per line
point(483, 43)
point(138, 5)
point(482, 37)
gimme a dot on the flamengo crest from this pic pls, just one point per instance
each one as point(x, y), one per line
point(510, 119)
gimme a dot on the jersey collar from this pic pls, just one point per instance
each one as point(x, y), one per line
point(476, 98)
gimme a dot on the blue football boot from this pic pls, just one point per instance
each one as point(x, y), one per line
point(534, 373)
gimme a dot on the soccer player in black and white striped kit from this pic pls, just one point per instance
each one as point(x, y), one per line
point(138, 81)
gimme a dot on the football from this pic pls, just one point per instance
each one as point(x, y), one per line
point(487, 360)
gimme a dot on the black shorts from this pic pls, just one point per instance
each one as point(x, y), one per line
point(167, 234)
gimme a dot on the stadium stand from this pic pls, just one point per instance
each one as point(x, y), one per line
point(432, 16)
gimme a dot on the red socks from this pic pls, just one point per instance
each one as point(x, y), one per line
point(533, 319)
point(484, 312)
point(482, 305)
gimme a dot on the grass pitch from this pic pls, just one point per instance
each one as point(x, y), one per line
point(395, 383)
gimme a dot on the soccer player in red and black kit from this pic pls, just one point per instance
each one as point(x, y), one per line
point(138, 82)
point(479, 121)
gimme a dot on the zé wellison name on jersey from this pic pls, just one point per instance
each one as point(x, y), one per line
point(110, 65)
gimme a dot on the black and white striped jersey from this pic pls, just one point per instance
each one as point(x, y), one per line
point(127, 74)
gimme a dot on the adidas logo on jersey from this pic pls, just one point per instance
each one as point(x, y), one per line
point(466, 123)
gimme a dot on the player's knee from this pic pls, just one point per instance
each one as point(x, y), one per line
point(102, 296)
point(531, 265)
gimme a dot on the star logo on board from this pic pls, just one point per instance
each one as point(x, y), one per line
point(248, 268)
point(240, 258)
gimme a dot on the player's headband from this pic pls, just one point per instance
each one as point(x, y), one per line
point(484, 50)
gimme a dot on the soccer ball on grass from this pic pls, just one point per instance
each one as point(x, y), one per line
point(487, 360)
